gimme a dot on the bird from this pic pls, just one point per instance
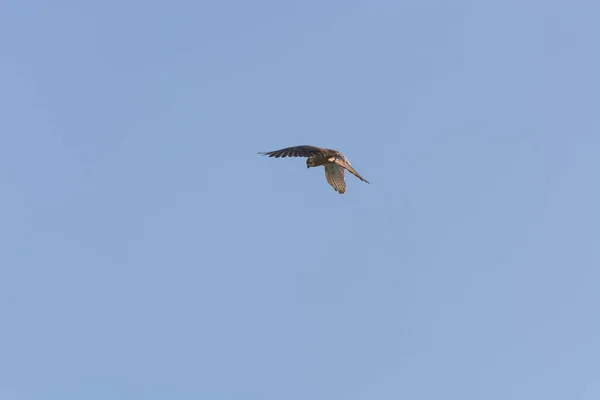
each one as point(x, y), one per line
point(334, 162)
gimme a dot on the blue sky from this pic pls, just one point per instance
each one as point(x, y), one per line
point(149, 252)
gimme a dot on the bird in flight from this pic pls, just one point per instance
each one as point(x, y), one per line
point(334, 161)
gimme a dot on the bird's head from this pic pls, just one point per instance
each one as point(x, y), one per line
point(310, 163)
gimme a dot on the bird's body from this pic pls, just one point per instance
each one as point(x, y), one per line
point(335, 163)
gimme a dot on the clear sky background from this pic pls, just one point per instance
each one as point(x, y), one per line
point(148, 252)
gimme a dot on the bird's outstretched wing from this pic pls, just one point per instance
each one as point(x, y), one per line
point(343, 161)
point(296, 151)
point(335, 176)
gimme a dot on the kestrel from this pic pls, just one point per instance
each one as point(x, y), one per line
point(334, 161)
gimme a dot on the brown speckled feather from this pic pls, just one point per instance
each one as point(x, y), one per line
point(335, 176)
